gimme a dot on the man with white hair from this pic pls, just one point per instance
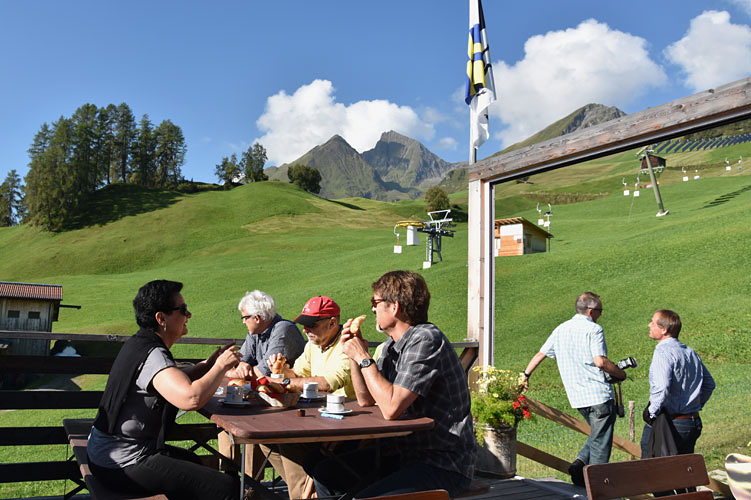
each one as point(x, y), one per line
point(268, 334)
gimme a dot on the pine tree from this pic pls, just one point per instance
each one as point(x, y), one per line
point(170, 153)
point(144, 152)
point(11, 200)
point(125, 132)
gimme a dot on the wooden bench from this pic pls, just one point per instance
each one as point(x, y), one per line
point(637, 477)
point(78, 430)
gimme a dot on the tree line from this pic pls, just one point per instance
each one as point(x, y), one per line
point(249, 168)
point(75, 156)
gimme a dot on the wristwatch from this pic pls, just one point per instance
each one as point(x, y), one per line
point(285, 381)
point(366, 362)
point(527, 375)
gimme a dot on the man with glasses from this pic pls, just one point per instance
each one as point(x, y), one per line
point(268, 334)
point(578, 346)
point(323, 362)
point(418, 375)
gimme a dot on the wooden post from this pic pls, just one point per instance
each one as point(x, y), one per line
point(631, 424)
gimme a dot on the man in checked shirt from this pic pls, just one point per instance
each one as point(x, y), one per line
point(578, 346)
point(418, 375)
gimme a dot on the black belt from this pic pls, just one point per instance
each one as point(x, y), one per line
point(687, 415)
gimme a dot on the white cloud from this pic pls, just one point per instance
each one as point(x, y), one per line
point(744, 5)
point(433, 116)
point(564, 70)
point(447, 143)
point(293, 124)
point(713, 51)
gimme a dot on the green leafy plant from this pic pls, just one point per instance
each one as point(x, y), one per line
point(499, 401)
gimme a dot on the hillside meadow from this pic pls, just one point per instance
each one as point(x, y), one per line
point(294, 245)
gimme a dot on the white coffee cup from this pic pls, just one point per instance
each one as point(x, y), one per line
point(335, 403)
point(310, 390)
point(235, 394)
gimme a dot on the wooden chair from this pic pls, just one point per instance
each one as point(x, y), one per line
point(419, 495)
point(627, 479)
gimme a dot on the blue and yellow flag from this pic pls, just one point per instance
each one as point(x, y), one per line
point(480, 89)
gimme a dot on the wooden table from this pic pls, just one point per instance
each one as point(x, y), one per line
point(258, 423)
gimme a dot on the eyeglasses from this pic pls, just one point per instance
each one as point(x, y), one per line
point(598, 309)
point(247, 317)
point(183, 308)
point(374, 301)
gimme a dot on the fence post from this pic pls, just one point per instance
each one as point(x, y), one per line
point(631, 433)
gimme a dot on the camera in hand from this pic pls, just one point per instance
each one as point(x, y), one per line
point(622, 364)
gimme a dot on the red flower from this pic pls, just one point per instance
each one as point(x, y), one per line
point(526, 413)
point(516, 404)
point(522, 398)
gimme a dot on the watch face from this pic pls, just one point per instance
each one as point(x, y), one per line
point(366, 362)
point(286, 381)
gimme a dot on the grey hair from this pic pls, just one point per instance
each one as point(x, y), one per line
point(586, 301)
point(258, 302)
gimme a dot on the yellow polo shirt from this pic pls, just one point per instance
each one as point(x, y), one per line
point(333, 365)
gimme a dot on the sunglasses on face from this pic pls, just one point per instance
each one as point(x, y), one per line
point(183, 308)
point(374, 301)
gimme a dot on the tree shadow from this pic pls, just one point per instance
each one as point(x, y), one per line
point(347, 205)
point(115, 201)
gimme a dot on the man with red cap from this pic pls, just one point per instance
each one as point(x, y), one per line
point(322, 361)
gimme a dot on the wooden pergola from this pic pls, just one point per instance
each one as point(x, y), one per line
point(712, 108)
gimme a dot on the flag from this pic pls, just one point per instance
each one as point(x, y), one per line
point(480, 90)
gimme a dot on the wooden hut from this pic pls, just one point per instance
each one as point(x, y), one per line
point(29, 307)
point(656, 161)
point(518, 236)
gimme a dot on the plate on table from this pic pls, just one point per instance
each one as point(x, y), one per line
point(343, 412)
point(239, 404)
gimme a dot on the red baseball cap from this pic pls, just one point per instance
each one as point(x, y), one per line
point(317, 309)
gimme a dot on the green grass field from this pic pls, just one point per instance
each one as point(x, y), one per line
point(274, 237)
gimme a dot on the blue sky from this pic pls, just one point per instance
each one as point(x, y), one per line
point(292, 74)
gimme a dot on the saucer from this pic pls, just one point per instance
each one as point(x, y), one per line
point(317, 397)
point(239, 404)
point(343, 412)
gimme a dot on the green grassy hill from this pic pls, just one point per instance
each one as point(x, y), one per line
point(294, 245)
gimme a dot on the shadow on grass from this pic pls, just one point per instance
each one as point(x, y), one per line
point(726, 197)
point(116, 201)
point(347, 205)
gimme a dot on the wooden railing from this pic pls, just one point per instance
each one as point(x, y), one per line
point(49, 470)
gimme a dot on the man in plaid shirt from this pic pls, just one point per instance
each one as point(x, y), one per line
point(578, 345)
point(417, 375)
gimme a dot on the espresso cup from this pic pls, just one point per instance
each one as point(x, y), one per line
point(235, 394)
point(335, 403)
point(310, 389)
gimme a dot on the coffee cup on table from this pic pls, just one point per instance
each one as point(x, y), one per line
point(310, 390)
point(335, 403)
point(235, 394)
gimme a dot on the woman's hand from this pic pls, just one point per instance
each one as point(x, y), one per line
point(212, 359)
point(227, 358)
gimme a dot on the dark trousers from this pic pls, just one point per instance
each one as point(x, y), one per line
point(688, 429)
point(174, 472)
point(366, 477)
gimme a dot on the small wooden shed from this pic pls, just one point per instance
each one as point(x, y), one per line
point(29, 307)
point(656, 161)
point(518, 236)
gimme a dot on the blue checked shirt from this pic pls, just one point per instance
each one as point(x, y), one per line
point(574, 344)
point(679, 383)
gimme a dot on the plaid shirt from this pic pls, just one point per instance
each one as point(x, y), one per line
point(424, 362)
point(574, 344)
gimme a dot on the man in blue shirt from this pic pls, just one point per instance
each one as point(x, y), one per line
point(679, 383)
point(578, 346)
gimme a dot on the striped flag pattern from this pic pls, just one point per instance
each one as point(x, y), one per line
point(480, 89)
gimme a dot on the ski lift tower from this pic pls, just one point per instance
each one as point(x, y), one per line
point(434, 229)
point(652, 165)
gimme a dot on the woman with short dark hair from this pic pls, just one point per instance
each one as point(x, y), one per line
point(143, 393)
